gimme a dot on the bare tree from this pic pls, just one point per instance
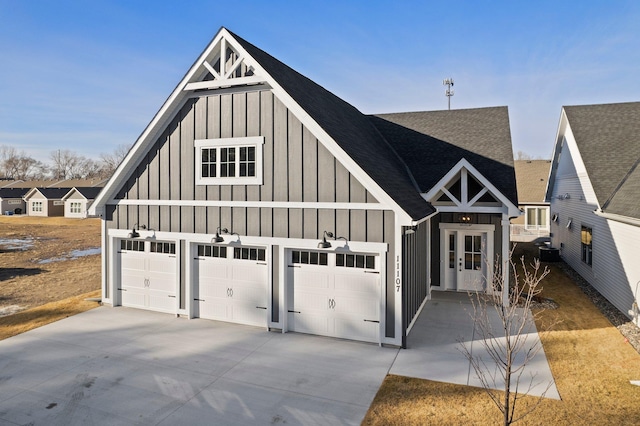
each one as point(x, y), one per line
point(110, 162)
point(17, 165)
point(505, 341)
point(69, 165)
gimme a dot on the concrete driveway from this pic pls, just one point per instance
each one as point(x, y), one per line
point(126, 366)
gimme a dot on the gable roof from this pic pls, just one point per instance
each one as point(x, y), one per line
point(348, 128)
point(88, 193)
point(49, 193)
point(6, 193)
point(531, 180)
point(608, 137)
point(432, 142)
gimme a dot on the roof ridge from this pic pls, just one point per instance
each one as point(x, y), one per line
point(621, 184)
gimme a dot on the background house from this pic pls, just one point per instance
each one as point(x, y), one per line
point(45, 201)
point(532, 177)
point(258, 197)
point(11, 200)
point(78, 200)
point(594, 192)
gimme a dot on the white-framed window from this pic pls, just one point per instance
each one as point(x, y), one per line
point(537, 218)
point(36, 206)
point(75, 207)
point(229, 161)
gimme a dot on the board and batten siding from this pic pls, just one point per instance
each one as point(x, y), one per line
point(615, 270)
point(296, 168)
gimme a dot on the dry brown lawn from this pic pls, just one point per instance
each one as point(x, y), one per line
point(38, 289)
point(590, 360)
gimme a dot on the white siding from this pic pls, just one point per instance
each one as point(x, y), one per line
point(615, 269)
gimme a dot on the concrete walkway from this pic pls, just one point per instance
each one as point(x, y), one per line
point(434, 343)
point(125, 366)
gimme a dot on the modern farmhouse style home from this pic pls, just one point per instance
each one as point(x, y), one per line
point(256, 196)
point(594, 192)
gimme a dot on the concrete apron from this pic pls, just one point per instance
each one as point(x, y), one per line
point(127, 366)
point(435, 343)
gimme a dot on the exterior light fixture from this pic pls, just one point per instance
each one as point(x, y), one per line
point(134, 231)
point(465, 218)
point(218, 238)
point(324, 243)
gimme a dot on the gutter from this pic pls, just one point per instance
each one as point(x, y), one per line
point(618, 218)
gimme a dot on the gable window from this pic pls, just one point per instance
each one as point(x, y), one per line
point(75, 207)
point(36, 206)
point(229, 161)
point(586, 235)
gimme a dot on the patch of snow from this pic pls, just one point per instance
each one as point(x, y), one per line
point(8, 310)
point(21, 244)
point(75, 254)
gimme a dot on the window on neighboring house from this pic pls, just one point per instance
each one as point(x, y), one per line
point(229, 161)
point(36, 206)
point(586, 244)
point(537, 218)
point(75, 207)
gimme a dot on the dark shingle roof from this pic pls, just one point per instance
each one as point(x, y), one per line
point(54, 193)
point(531, 180)
point(608, 137)
point(88, 193)
point(432, 142)
point(351, 129)
point(6, 193)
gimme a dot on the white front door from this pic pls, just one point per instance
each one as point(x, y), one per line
point(464, 259)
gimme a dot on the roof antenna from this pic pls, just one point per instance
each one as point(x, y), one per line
point(449, 93)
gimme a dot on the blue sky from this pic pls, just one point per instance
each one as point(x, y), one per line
point(89, 75)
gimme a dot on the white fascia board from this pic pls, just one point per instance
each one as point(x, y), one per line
point(31, 192)
point(237, 241)
point(152, 130)
point(562, 124)
point(618, 218)
point(263, 204)
point(333, 147)
point(70, 193)
point(513, 210)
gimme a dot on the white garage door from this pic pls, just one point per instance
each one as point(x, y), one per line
point(148, 275)
point(231, 284)
point(334, 294)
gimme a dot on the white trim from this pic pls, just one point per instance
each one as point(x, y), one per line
point(463, 166)
point(488, 229)
point(256, 142)
point(618, 218)
point(232, 240)
point(214, 84)
point(262, 204)
point(157, 124)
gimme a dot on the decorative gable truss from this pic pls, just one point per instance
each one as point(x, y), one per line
point(223, 66)
point(464, 189)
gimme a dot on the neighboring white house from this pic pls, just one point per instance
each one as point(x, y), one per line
point(45, 201)
point(531, 179)
point(78, 200)
point(255, 196)
point(594, 192)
